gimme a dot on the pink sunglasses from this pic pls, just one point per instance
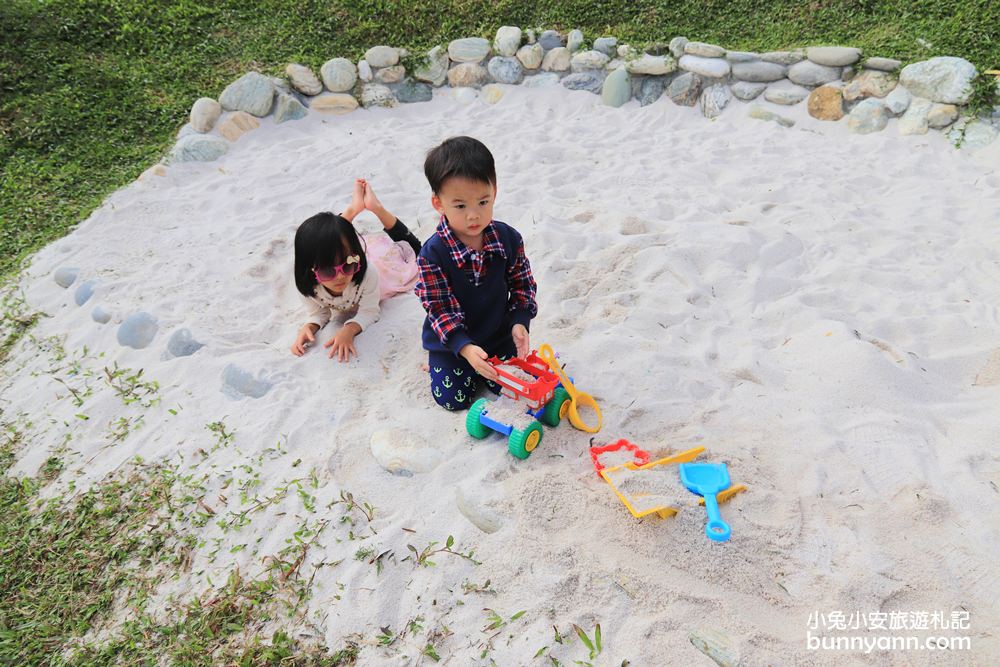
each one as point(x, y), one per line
point(348, 268)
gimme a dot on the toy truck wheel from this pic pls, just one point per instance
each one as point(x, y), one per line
point(472, 424)
point(557, 408)
point(522, 443)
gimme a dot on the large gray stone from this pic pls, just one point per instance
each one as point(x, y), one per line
point(741, 56)
point(651, 65)
point(365, 72)
point(973, 135)
point(339, 75)
point(531, 55)
point(714, 100)
point(507, 40)
point(303, 79)
point(685, 89)
point(712, 68)
point(506, 70)
point(914, 121)
point(550, 39)
point(469, 49)
point(410, 91)
point(617, 88)
point(288, 108)
point(868, 116)
point(747, 90)
point(833, 56)
point(591, 81)
point(784, 92)
point(588, 60)
point(253, 93)
point(808, 73)
point(945, 79)
point(607, 45)
point(382, 56)
point(703, 49)
point(541, 80)
point(435, 68)
point(199, 148)
point(759, 71)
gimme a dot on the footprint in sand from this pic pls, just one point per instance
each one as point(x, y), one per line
point(239, 383)
point(100, 315)
point(84, 292)
point(181, 344)
point(65, 276)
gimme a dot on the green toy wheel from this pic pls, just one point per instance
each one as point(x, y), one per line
point(472, 424)
point(522, 443)
point(557, 408)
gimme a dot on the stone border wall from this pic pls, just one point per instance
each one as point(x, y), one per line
point(834, 81)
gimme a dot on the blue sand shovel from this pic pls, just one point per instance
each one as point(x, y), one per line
point(708, 479)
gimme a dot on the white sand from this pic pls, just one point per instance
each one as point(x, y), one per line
point(810, 305)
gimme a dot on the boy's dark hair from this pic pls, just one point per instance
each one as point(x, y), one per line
point(320, 243)
point(459, 157)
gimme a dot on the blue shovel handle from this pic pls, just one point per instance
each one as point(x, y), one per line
point(716, 529)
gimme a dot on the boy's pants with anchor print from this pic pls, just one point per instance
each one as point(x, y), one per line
point(453, 381)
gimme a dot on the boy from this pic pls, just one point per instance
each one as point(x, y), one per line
point(474, 280)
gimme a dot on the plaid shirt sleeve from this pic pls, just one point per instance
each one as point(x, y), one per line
point(521, 284)
point(443, 310)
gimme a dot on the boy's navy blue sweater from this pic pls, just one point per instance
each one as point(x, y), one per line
point(487, 315)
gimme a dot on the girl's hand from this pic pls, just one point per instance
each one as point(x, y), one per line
point(521, 341)
point(342, 344)
point(476, 356)
point(305, 339)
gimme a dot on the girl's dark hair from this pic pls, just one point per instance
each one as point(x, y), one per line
point(459, 157)
point(321, 242)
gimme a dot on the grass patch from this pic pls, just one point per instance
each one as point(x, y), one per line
point(93, 91)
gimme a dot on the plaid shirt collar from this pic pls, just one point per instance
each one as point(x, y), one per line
point(461, 253)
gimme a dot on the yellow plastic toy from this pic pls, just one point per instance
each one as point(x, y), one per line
point(576, 396)
point(617, 476)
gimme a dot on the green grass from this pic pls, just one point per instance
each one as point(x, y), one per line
point(94, 91)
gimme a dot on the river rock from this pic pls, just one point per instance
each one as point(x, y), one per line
point(826, 103)
point(303, 79)
point(467, 75)
point(435, 69)
point(617, 88)
point(204, 112)
point(868, 116)
point(808, 73)
point(334, 103)
point(685, 89)
point(833, 56)
point(252, 93)
point(712, 68)
point(758, 71)
point(704, 50)
point(507, 40)
point(746, 90)
point(784, 92)
point(339, 75)
point(714, 100)
point(468, 49)
point(944, 79)
point(556, 60)
point(531, 55)
point(381, 56)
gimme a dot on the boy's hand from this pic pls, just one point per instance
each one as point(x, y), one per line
point(305, 339)
point(342, 344)
point(476, 356)
point(521, 341)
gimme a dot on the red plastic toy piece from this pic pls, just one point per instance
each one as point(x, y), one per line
point(537, 392)
point(640, 456)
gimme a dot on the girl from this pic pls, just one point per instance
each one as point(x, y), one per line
point(331, 270)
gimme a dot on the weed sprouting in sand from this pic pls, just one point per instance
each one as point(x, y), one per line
point(423, 557)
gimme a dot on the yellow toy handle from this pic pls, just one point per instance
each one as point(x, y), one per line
point(576, 397)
